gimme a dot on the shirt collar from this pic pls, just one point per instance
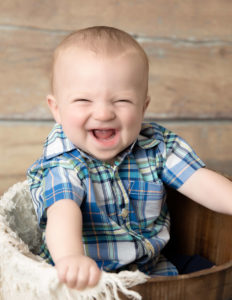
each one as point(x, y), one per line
point(57, 142)
point(148, 138)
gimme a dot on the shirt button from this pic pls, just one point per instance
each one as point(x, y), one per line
point(124, 212)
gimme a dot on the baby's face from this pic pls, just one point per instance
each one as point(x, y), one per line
point(100, 101)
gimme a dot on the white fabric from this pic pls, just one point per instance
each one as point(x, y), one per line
point(24, 276)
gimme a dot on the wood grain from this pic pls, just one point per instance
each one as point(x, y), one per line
point(189, 81)
point(186, 81)
point(192, 19)
point(189, 44)
point(21, 144)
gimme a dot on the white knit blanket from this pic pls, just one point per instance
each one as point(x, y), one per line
point(24, 276)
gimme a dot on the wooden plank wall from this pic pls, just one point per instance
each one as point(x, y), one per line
point(189, 44)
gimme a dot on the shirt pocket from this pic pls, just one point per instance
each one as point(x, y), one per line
point(146, 199)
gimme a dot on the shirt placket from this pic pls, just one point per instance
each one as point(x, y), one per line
point(123, 206)
point(124, 214)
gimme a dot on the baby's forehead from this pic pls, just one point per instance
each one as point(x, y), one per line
point(84, 55)
point(102, 52)
point(105, 51)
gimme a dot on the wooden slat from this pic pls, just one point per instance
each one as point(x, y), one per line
point(24, 61)
point(21, 144)
point(193, 19)
point(186, 81)
point(190, 81)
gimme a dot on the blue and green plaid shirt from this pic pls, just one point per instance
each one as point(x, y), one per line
point(125, 218)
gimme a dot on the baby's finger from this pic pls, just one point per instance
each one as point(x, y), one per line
point(94, 276)
point(71, 277)
point(61, 271)
point(82, 279)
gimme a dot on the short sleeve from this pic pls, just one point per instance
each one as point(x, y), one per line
point(55, 184)
point(180, 162)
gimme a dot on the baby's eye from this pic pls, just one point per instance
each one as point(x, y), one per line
point(81, 100)
point(124, 101)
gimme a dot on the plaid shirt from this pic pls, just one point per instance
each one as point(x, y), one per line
point(125, 218)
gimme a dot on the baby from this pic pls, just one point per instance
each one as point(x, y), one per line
point(99, 188)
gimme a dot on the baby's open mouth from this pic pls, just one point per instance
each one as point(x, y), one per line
point(104, 134)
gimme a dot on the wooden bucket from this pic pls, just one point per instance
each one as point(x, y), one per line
point(195, 230)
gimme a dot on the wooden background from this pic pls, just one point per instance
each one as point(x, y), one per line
point(189, 44)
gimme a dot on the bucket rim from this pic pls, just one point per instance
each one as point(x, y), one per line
point(215, 269)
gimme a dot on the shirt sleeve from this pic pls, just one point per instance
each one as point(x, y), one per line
point(180, 161)
point(55, 183)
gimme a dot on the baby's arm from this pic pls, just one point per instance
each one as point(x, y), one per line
point(209, 189)
point(64, 240)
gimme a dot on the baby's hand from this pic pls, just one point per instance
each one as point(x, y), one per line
point(78, 271)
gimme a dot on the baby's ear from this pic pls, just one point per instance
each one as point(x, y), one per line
point(53, 106)
point(146, 103)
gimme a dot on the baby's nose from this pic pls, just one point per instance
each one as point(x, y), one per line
point(104, 112)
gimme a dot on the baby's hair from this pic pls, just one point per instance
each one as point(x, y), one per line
point(102, 40)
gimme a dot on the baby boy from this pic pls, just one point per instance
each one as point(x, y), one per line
point(99, 187)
